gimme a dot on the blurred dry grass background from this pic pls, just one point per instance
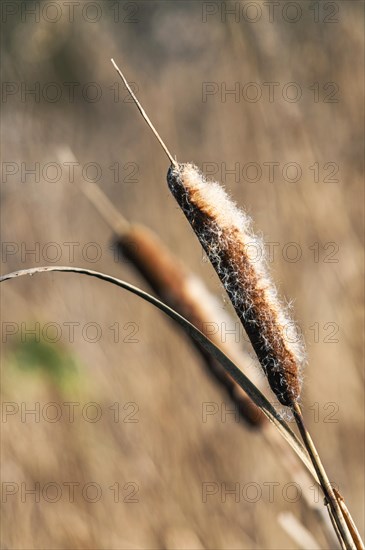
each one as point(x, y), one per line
point(169, 52)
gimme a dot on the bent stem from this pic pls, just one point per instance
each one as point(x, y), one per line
point(245, 383)
point(328, 491)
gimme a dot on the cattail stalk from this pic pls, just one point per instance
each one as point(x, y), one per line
point(225, 233)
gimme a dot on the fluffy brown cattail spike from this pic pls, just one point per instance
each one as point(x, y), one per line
point(225, 233)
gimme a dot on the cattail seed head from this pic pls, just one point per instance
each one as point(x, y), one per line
point(226, 235)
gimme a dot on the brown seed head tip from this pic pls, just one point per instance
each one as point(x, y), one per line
point(238, 256)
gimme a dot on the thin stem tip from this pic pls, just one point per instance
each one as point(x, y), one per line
point(144, 114)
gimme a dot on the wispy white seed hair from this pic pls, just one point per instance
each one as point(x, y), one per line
point(238, 256)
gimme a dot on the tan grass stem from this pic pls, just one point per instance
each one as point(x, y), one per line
point(325, 483)
point(350, 522)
